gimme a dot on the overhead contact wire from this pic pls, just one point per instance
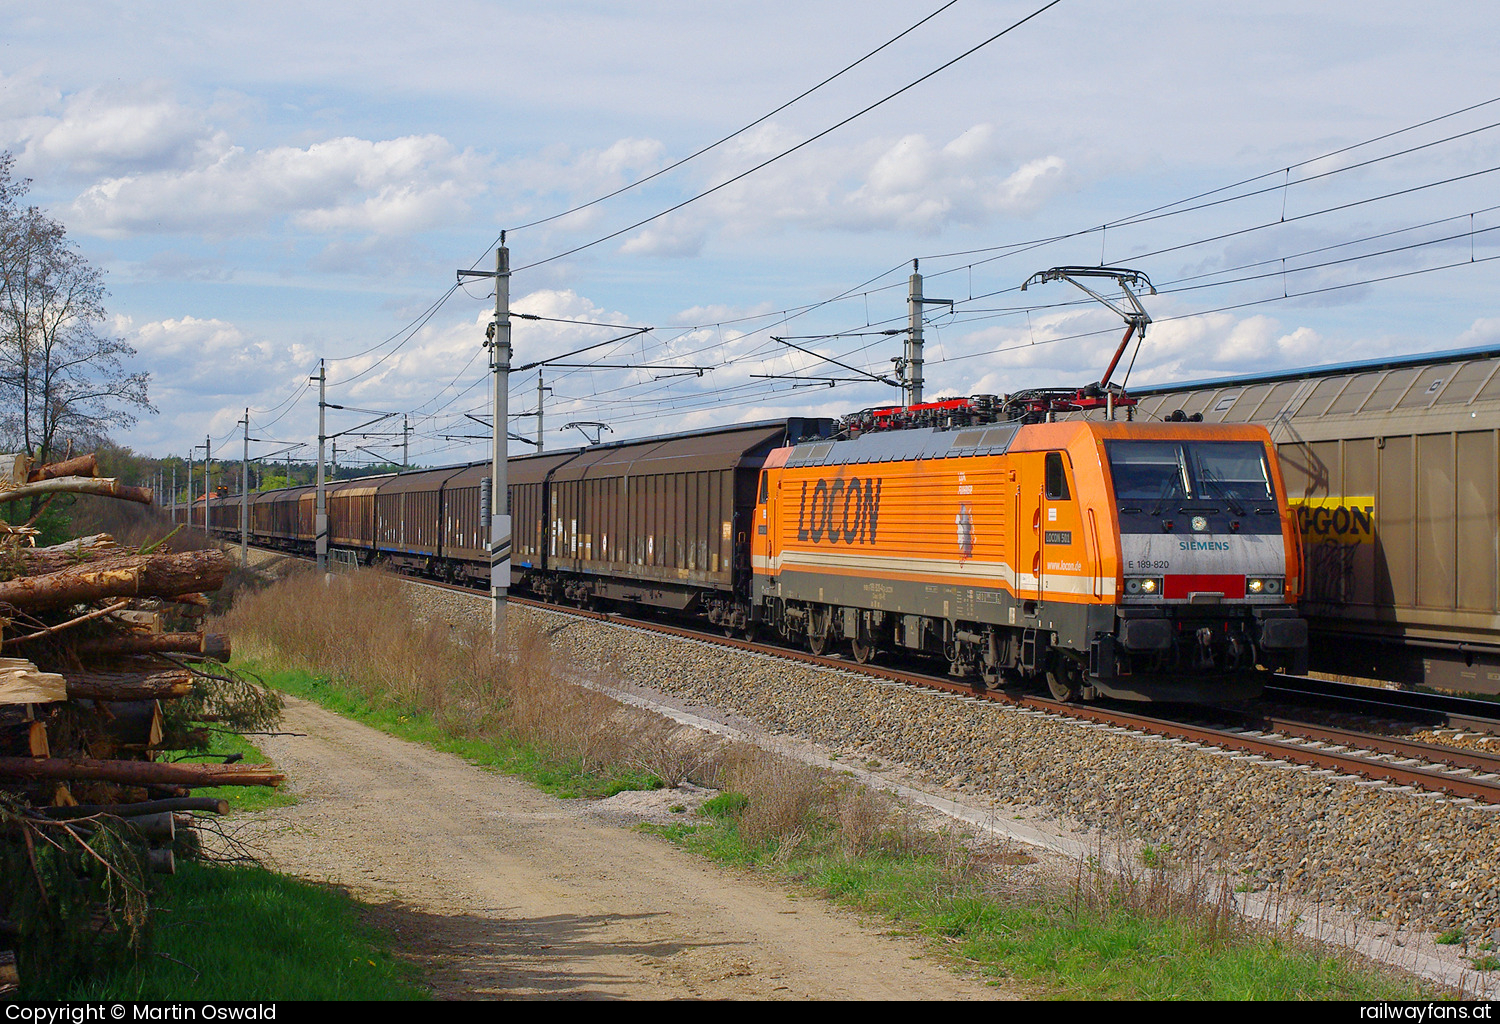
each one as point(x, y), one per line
point(806, 142)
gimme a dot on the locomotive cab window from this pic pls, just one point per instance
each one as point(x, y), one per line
point(1057, 478)
point(1160, 471)
point(1233, 471)
point(765, 487)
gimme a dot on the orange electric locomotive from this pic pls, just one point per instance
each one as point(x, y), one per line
point(1133, 560)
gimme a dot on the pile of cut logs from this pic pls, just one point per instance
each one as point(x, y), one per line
point(94, 638)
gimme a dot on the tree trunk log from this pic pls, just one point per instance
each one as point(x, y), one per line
point(211, 805)
point(143, 622)
point(138, 575)
point(22, 683)
point(36, 740)
point(84, 466)
point(98, 541)
point(213, 645)
point(14, 468)
point(135, 724)
point(40, 561)
point(141, 773)
point(161, 826)
point(103, 486)
point(117, 686)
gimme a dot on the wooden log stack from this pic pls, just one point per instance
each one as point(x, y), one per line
point(96, 640)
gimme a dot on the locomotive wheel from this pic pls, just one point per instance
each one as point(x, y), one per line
point(863, 651)
point(1063, 681)
point(819, 626)
point(1060, 689)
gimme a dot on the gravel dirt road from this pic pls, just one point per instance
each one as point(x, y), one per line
point(501, 891)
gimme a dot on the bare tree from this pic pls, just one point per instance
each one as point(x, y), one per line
point(62, 376)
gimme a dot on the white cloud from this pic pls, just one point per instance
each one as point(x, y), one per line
point(1484, 331)
point(201, 353)
point(918, 186)
point(536, 181)
point(438, 353)
point(719, 313)
point(910, 184)
point(671, 237)
point(1073, 348)
point(102, 130)
point(390, 187)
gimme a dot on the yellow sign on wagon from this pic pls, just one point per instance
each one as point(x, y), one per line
point(1336, 520)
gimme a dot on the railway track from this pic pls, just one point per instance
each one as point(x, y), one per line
point(1456, 712)
point(1452, 771)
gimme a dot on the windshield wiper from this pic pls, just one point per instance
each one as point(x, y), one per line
point(1218, 487)
point(1168, 487)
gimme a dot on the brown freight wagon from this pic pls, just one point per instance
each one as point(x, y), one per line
point(286, 518)
point(351, 513)
point(465, 550)
point(262, 519)
point(662, 521)
point(1395, 467)
point(409, 518)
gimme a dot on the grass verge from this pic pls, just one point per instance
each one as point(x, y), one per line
point(241, 932)
point(1100, 937)
point(245, 933)
point(248, 799)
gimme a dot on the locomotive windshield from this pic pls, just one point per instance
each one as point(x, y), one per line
point(1154, 471)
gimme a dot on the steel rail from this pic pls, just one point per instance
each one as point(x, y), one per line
point(1434, 753)
point(1460, 712)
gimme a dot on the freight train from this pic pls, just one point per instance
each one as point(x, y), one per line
point(1135, 560)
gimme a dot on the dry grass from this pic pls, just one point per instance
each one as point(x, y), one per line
point(794, 807)
point(674, 753)
point(783, 794)
point(1159, 886)
point(364, 630)
point(133, 525)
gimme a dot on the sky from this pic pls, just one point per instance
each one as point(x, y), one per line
point(266, 185)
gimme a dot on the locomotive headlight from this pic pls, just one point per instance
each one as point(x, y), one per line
point(1255, 586)
point(1132, 586)
point(1149, 586)
point(1273, 586)
point(1142, 586)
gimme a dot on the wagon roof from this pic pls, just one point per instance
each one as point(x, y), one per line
point(722, 449)
point(359, 486)
point(1435, 392)
point(420, 480)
